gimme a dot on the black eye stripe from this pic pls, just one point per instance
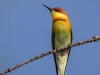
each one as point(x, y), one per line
point(57, 10)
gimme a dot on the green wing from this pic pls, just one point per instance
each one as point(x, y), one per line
point(53, 47)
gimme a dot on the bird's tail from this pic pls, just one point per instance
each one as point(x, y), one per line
point(61, 61)
point(61, 69)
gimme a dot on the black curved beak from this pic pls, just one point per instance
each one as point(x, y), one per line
point(47, 7)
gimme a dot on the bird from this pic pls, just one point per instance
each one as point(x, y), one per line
point(61, 36)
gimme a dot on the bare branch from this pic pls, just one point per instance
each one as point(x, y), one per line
point(93, 39)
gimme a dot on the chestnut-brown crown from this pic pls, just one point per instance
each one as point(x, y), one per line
point(60, 10)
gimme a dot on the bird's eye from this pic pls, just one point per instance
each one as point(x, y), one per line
point(58, 10)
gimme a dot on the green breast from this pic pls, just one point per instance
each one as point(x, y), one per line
point(62, 34)
point(62, 39)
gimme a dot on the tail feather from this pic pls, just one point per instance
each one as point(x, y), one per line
point(61, 60)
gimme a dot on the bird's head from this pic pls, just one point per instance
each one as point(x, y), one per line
point(57, 13)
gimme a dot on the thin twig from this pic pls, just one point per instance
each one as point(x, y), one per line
point(93, 39)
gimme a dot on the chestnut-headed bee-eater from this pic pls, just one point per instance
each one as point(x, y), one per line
point(61, 37)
